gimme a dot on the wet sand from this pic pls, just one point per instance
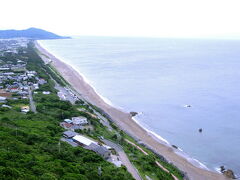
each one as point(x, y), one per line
point(125, 122)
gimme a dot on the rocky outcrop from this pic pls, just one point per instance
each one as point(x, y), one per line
point(228, 173)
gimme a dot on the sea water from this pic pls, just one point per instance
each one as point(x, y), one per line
point(159, 77)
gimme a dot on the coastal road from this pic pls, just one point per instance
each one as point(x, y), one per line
point(123, 157)
point(103, 120)
point(65, 94)
point(32, 103)
point(68, 94)
point(74, 94)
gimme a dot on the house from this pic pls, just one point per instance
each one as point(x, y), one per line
point(23, 93)
point(92, 145)
point(4, 69)
point(25, 88)
point(42, 81)
point(13, 90)
point(25, 78)
point(46, 92)
point(8, 73)
point(31, 74)
point(75, 127)
point(79, 120)
point(83, 141)
point(68, 121)
point(6, 106)
point(25, 109)
point(19, 61)
point(66, 125)
point(35, 86)
point(2, 99)
point(62, 96)
point(71, 126)
point(101, 150)
point(69, 134)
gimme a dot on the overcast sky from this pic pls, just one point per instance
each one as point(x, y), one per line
point(161, 18)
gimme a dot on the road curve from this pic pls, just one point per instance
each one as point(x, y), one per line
point(123, 157)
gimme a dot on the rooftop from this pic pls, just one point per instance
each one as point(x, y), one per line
point(83, 140)
point(69, 134)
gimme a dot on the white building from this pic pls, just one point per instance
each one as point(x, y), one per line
point(46, 92)
point(79, 120)
point(4, 69)
point(2, 99)
point(92, 145)
point(6, 106)
point(68, 121)
point(25, 109)
point(35, 86)
point(62, 96)
point(42, 81)
point(83, 141)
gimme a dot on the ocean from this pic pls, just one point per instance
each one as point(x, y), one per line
point(158, 78)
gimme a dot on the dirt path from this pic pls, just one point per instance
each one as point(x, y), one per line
point(144, 152)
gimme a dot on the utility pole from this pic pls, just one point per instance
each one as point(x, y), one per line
point(99, 171)
point(59, 147)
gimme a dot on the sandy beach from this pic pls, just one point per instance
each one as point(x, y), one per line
point(124, 120)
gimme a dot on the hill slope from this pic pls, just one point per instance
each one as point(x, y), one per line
point(32, 33)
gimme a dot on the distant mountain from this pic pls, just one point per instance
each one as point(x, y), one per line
point(32, 33)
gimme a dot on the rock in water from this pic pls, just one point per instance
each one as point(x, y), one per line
point(222, 169)
point(133, 113)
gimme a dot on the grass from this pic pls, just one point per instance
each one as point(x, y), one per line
point(57, 75)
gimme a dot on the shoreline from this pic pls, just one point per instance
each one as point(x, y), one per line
point(176, 150)
point(125, 121)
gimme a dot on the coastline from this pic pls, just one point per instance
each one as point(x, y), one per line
point(177, 150)
point(125, 121)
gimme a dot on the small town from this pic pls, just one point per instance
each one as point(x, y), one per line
point(16, 82)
